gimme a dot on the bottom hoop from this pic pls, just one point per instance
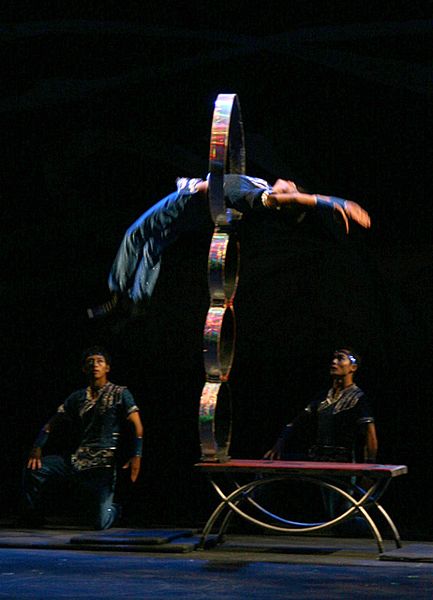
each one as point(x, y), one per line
point(215, 421)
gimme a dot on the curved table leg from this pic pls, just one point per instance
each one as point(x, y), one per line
point(231, 502)
point(384, 513)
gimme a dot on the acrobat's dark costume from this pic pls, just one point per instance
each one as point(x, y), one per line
point(136, 267)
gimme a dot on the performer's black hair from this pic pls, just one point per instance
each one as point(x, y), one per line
point(96, 350)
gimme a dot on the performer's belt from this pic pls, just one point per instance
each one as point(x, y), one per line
point(330, 454)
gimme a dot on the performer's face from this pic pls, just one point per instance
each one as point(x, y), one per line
point(284, 186)
point(96, 368)
point(342, 364)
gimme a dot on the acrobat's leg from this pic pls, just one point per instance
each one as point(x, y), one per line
point(136, 267)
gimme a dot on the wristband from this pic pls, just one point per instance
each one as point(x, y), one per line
point(138, 446)
point(41, 439)
point(330, 201)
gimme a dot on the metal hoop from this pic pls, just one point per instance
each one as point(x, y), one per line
point(219, 338)
point(226, 153)
point(215, 423)
point(223, 267)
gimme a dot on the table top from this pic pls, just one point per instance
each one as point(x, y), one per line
point(303, 468)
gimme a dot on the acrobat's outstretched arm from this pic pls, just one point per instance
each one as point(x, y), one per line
point(286, 192)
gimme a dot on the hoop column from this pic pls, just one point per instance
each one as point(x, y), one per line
point(226, 154)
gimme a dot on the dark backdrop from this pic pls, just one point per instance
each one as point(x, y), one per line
point(101, 109)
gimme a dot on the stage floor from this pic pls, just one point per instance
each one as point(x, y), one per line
point(44, 564)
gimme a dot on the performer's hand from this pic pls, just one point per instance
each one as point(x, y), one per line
point(357, 213)
point(202, 187)
point(275, 452)
point(35, 461)
point(134, 462)
point(272, 454)
point(284, 186)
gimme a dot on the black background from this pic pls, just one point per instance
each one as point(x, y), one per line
point(102, 108)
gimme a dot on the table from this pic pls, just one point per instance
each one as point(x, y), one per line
point(240, 498)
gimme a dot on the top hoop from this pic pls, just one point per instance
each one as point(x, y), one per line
point(226, 153)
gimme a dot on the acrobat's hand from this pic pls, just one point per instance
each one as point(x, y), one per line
point(35, 461)
point(135, 463)
point(284, 186)
point(347, 209)
point(357, 213)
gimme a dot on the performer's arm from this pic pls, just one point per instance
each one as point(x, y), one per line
point(368, 432)
point(277, 449)
point(285, 193)
point(371, 444)
point(245, 193)
point(300, 421)
point(35, 457)
point(135, 461)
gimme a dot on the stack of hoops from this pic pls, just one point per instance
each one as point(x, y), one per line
point(226, 155)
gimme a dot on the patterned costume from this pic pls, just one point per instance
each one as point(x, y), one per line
point(93, 464)
point(337, 421)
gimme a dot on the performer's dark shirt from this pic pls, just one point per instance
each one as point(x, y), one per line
point(336, 424)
